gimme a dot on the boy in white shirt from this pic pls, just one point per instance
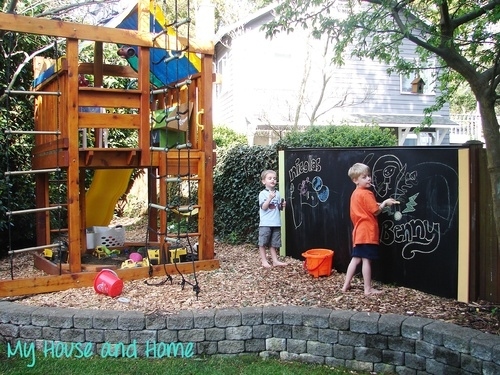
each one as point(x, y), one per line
point(270, 205)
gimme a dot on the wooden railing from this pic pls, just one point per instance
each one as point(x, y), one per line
point(469, 129)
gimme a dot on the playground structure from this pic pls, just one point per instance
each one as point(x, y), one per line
point(170, 114)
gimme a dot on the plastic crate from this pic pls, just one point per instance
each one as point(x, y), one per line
point(109, 236)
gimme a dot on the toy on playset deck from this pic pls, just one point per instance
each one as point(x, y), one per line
point(129, 263)
point(136, 257)
point(102, 251)
point(53, 255)
point(154, 256)
point(177, 253)
point(48, 253)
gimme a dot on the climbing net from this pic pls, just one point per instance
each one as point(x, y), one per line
point(173, 118)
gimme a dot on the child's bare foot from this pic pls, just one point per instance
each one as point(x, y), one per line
point(279, 264)
point(373, 291)
point(266, 265)
point(346, 289)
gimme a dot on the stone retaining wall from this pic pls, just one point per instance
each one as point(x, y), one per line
point(363, 341)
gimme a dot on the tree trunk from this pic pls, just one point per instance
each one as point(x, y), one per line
point(492, 139)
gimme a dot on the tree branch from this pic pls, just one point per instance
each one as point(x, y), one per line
point(27, 59)
point(396, 14)
point(70, 7)
point(11, 7)
point(495, 81)
point(476, 13)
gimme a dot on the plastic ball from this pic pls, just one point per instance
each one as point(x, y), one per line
point(136, 257)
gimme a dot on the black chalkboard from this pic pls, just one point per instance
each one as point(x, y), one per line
point(419, 237)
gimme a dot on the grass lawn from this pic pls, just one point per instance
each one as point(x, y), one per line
point(96, 365)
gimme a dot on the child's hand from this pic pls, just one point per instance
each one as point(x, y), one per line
point(390, 202)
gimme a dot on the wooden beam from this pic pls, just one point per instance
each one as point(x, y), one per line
point(206, 222)
point(49, 147)
point(42, 200)
point(170, 42)
point(114, 98)
point(50, 160)
point(102, 120)
point(49, 267)
point(98, 64)
point(73, 172)
point(144, 83)
point(110, 158)
point(56, 283)
point(41, 26)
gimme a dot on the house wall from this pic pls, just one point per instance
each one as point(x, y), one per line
point(223, 103)
point(262, 81)
point(384, 90)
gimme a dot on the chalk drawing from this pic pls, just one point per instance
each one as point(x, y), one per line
point(307, 191)
point(392, 178)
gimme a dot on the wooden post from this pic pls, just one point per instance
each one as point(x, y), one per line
point(206, 222)
point(143, 26)
point(98, 82)
point(73, 194)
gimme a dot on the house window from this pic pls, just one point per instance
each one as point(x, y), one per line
point(221, 70)
point(426, 75)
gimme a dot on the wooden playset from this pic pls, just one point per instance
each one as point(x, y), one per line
point(168, 111)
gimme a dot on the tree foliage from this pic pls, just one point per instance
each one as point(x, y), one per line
point(462, 35)
point(225, 137)
point(228, 12)
point(16, 113)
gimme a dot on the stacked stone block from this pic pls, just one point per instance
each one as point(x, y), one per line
point(364, 341)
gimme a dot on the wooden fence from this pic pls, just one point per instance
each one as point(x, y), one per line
point(485, 259)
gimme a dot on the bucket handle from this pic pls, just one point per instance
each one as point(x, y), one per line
point(110, 270)
point(314, 269)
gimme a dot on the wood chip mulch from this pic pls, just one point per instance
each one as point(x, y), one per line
point(241, 281)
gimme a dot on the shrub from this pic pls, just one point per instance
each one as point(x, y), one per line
point(236, 189)
point(225, 137)
point(339, 136)
point(237, 173)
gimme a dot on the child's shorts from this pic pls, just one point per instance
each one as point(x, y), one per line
point(270, 236)
point(367, 251)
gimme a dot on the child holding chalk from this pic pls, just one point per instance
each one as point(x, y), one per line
point(270, 205)
point(365, 235)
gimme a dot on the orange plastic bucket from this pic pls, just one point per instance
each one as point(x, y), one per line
point(318, 262)
point(108, 282)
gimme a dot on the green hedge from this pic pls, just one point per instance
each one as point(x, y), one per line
point(237, 173)
point(236, 190)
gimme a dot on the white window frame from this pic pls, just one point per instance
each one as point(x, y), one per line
point(427, 72)
point(221, 69)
